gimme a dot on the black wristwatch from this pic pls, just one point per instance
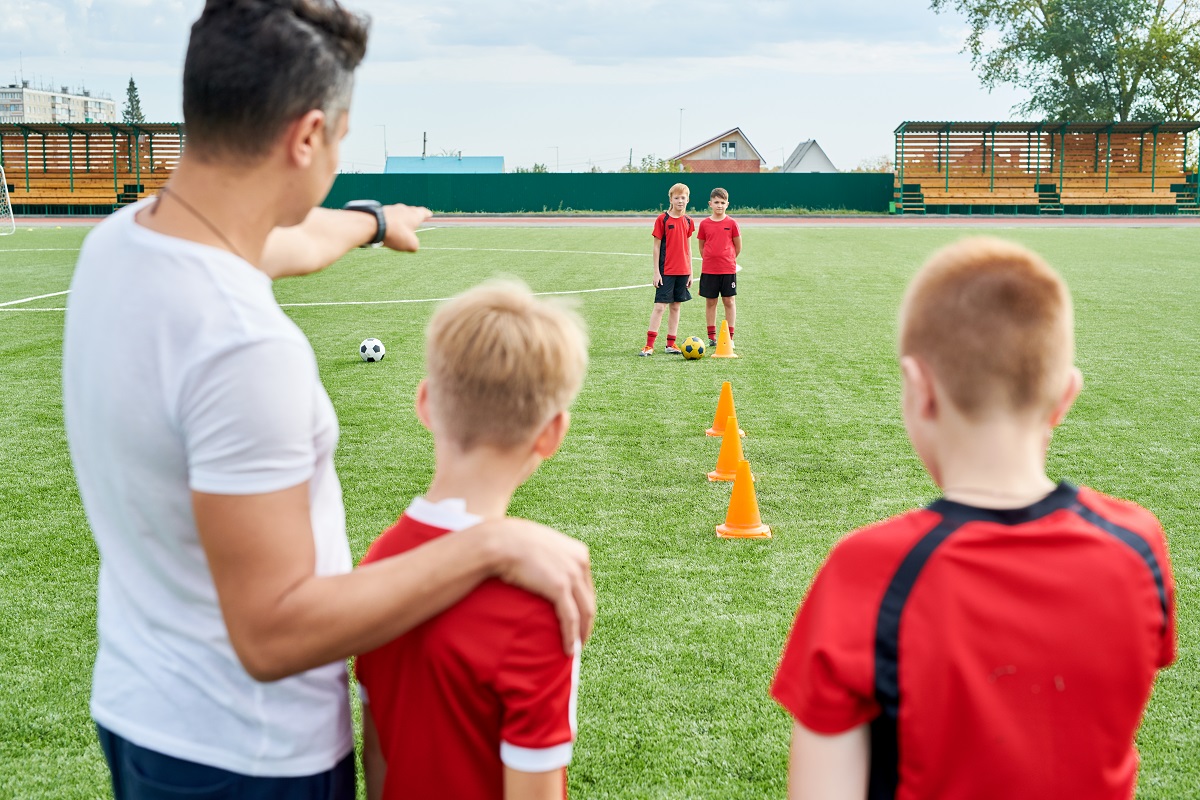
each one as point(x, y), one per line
point(371, 207)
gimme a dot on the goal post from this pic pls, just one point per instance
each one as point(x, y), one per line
point(7, 223)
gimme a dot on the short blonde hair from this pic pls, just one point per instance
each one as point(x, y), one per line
point(994, 323)
point(679, 188)
point(501, 364)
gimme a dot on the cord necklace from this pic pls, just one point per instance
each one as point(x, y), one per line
point(195, 213)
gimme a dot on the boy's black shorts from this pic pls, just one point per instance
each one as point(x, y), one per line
point(718, 285)
point(673, 289)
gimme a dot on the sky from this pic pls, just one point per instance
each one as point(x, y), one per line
point(566, 84)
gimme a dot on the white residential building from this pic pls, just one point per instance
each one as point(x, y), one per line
point(19, 103)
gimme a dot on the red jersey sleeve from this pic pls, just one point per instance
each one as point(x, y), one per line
point(659, 230)
point(700, 231)
point(736, 232)
point(826, 677)
point(537, 684)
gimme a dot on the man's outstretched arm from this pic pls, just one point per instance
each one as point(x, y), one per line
point(326, 235)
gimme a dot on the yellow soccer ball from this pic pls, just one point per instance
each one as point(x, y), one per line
point(693, 347)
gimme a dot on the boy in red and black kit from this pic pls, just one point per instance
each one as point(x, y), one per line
point(672, 268)
point(1003, 641)
point(479, 701)
point(720, 245)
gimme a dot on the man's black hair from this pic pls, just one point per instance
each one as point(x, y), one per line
point(255, 66)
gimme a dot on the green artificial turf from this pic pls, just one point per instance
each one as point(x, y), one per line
point(673, 701)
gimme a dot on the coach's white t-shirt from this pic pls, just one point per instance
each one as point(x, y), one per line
point(181, 373)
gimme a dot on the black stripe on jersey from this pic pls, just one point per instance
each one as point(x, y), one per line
point(885, 751)
point(662, 246)
point(1139, 545)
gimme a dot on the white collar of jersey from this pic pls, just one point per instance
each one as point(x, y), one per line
point(450, 514)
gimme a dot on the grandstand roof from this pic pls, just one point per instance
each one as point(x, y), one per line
point(1057, 126)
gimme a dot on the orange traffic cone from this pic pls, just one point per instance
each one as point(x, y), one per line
point(742, 520)
point(724, 343)
point(731, 454)
point(725, 410)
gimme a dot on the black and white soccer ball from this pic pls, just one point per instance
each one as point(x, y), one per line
point(371, 350)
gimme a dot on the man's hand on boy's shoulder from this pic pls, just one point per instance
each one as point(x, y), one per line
point(547, 563)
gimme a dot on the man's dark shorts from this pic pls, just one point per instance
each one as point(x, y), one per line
point(142, 774)
point(718, 285)
point(673, 290)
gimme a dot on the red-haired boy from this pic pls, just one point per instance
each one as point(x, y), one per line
point(720, 245)
point(1003, 641)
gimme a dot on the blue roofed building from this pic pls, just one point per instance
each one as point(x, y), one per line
point(444, 165)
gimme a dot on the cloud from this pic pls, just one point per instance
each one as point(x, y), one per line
point(133, 30)
point(591, 31)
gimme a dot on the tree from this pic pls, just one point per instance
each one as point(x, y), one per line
point(1088, 60)
point(539, 168)
point(652, 164)
point(132, 114)
point(875, 164)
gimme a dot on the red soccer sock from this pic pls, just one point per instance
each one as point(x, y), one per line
point(712, 331)
point(730, 331)
point(670, 340)
point(650, 337)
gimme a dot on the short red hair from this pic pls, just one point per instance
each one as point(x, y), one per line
point(994, 323)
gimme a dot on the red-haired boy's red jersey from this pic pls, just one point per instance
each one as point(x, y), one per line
point(995, 654)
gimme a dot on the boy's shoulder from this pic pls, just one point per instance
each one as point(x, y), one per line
point(1123, 513)
point(491, 612)
point(871, 554)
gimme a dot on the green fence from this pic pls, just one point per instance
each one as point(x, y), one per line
point(524, 192)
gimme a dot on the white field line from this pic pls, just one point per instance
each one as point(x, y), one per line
point(76, 249)
point(515, 250)
point(563, 252)
point(5, 306)
point(443, 299)
point(369, 302)
point(31, 299)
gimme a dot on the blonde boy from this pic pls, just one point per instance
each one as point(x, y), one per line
point(479, 701)
point(1001, 642)
point(672, 268)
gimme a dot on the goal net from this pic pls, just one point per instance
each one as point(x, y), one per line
point(7, 223)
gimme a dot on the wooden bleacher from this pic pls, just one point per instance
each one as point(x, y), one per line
point(61, 169)
point(1045, 168)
